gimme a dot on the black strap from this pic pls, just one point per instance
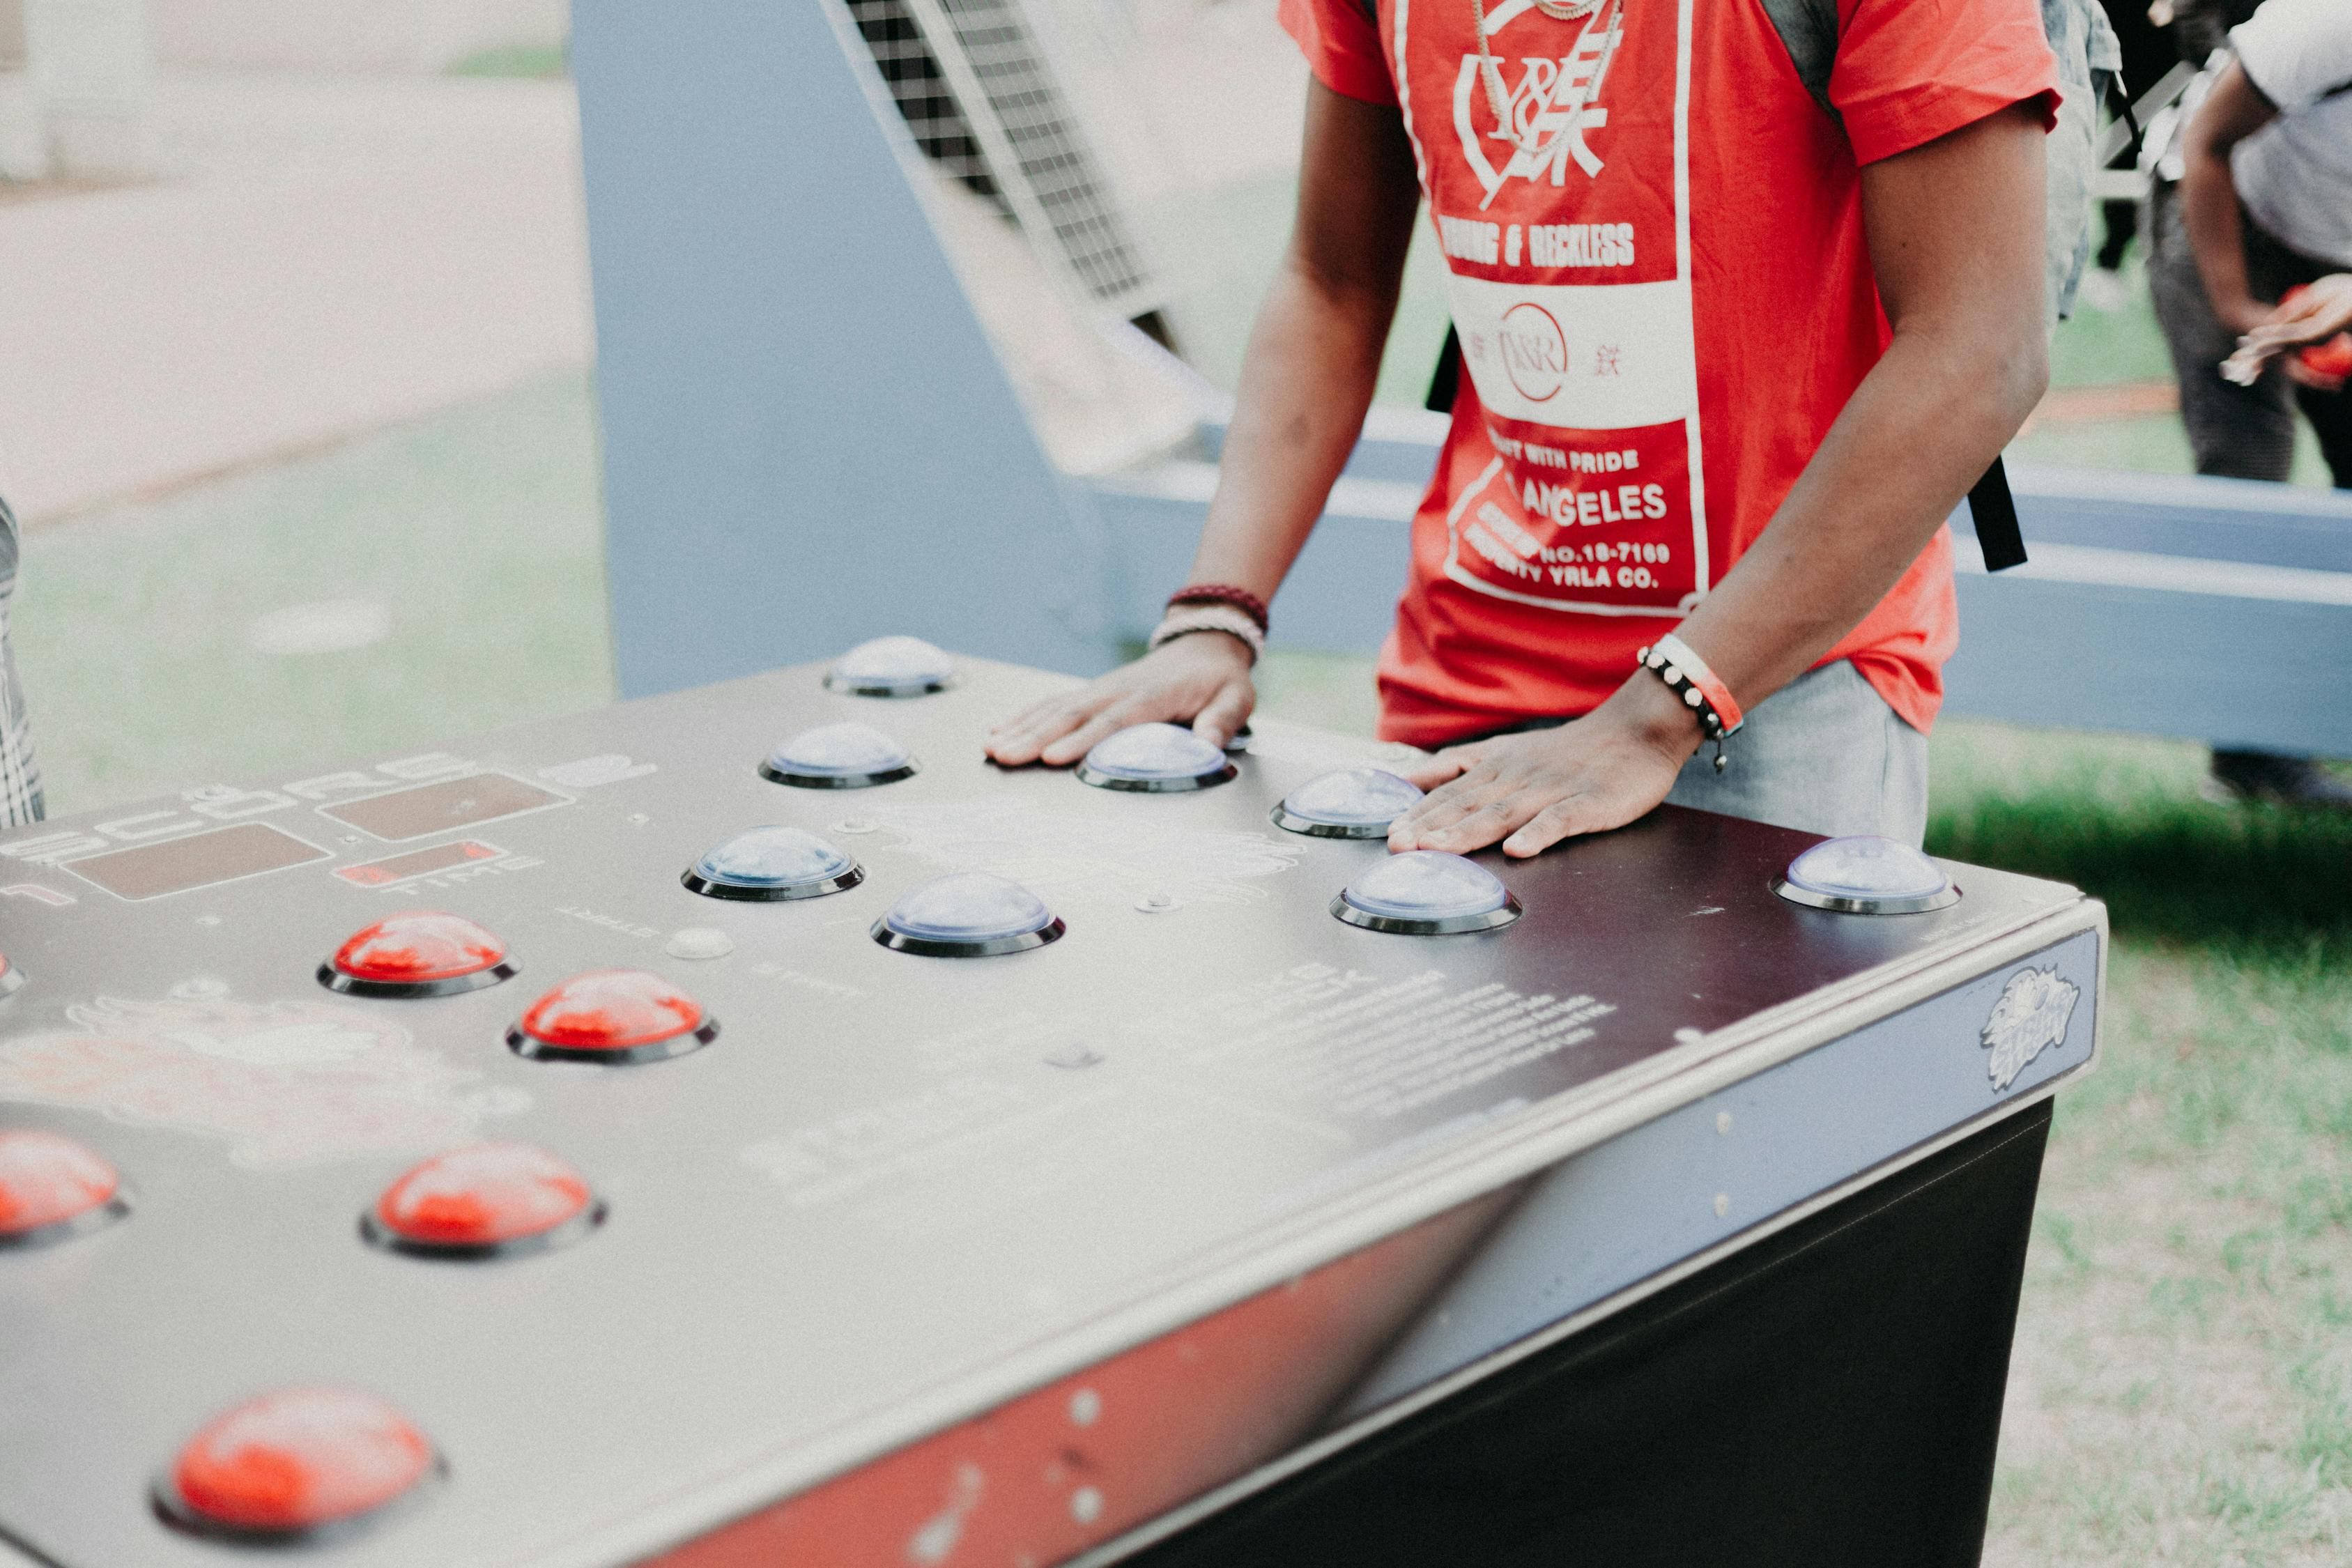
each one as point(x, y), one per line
point(1447, 377)
point(1995, 511)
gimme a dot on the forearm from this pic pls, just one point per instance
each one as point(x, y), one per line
point(1924, 425)
point(2216, 237)
point(1314, 357)
point(2233, 112)
point(1314, 353)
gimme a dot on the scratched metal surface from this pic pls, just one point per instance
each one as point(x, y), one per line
point(891, 1181)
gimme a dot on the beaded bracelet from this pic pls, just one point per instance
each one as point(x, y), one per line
point(1688, 675)
point(1241, 599)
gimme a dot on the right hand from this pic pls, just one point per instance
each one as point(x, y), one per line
point(2311, 315)
point(1204, 677)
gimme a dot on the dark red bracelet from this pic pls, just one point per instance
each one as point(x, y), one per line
point(1241, 599)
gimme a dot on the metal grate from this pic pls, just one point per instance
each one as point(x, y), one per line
point(922, 95)
point(980, 98)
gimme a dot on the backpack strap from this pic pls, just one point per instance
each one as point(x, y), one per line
point(1446, 380)
point(1994, 511)
point(1809, 31)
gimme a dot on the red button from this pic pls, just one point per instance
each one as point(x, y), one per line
point(613, 1016)
point(493, 1198)
point(296, 1460)
point(421, 953)
point(11, 976)
point(52, 1187)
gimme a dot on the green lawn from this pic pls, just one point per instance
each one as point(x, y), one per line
point(2183, 1385)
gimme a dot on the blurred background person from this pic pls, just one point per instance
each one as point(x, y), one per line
point(2145, 53)
point(2252, 200)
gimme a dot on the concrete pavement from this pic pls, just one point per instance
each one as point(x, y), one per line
point(325, 256)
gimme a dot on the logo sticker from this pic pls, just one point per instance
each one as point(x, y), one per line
point(2032, 1015)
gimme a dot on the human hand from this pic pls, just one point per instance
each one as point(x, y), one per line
point(2316, 314)
point(1204, 677)
point(1533, 790)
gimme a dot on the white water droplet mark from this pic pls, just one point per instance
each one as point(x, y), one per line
point(637, 820)
point(854, 825)
point(1085, 1505)
point(699, 941)
point(938, 1536)
point(1723, 1123)
point(1158, 903)
point(1685, 1035)
point(1722, 1205)
point(328, 625)
point(1086, 1405)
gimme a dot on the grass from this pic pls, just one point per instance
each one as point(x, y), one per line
point(475, 531)
point(2182, 1388)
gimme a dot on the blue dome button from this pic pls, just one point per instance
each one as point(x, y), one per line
point(1426, 892)
point(1353, 803)
point(1866, 875)
point(771, 864)
point(839, 756)
point(891, 666)
point(1161, 759)
point(970, 914)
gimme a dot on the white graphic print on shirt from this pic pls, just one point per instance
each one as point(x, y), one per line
point(1561, 202)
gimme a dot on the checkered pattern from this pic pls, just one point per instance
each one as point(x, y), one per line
point(20, 774)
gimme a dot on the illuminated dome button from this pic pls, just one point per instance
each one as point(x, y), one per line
point(839, 756)
point(1156, 759)
point(768, 864)
point(1866, 875)
point(293, 1465)
point(969, 915)
point(493, 1200)
point(421, 953)
point(1425, 892)
point(613, 1016)
point(891, 666)
point(52, 1187)
point(1354, 803)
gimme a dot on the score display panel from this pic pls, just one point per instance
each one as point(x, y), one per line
point(1037, 1255)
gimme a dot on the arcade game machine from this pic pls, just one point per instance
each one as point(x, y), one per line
point(745, 1127)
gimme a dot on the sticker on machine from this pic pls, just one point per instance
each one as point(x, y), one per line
point(2031, 1017)
point(286, 1083)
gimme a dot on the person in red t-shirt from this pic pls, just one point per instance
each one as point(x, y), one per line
point(1732, 354)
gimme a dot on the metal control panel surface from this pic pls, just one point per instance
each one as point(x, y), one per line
point(895, 1191)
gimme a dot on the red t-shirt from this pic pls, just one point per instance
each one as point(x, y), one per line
point(1664, 297)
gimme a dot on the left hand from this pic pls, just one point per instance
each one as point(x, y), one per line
point(1533, 790)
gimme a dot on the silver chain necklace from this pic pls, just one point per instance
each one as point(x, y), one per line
point(1490, 73)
